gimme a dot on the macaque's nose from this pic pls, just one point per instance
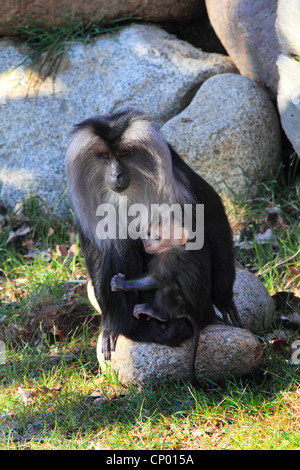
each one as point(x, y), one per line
point(120, 176)
point(119, 180)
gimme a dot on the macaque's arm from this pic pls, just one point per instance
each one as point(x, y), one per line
point(119, 282)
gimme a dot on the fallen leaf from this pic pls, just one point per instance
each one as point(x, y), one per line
point(29, 245)
point(44, 255)
point(61, 250)
point(57, 332)
point(294, 270)
point(20, 232)
point(281, 221)
point(11, 236)
point(266, 237)
point(27, 395)
point(81, 290)
point(245, 245)
point(18, 216)
point(73, 235)
point(73, 250)
point(75, 287)
point(56, 388)
point(95, 394)
point(293, 318)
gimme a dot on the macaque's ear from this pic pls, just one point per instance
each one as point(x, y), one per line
point(185, 235)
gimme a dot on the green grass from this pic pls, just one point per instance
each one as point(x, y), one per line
point(46, 41)
point(260, 412)
point(276, 207)
point(53, 395)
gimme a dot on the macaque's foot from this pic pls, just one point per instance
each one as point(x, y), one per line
point(147, 309)
point(234, 317)
point(140, 309)
point(225, 317)
point(108, 344)
point(117, 282)
point(230, 311)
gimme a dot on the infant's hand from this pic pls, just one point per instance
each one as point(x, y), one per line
point(117, 282)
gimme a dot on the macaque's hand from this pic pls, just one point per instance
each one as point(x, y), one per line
point(117, 282)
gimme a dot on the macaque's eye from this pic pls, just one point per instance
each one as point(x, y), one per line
point(122, 153)
point(156, 237)
point(104, 155)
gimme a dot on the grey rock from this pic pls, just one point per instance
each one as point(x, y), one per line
point(222, 351)
point(287, 26)
point(246, 30)
point(230, 128)
point(288, 97)
point(140, 67)
point(253, 302)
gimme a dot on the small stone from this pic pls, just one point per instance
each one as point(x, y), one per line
point(253, 302)
point(287, 26)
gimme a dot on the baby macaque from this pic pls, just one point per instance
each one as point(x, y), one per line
point(180, 288)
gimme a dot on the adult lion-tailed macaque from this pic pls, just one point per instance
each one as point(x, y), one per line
point(175, 295)
point(124, 154)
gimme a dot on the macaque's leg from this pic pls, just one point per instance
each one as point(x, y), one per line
point(119, 282)
point(196, 334)
point(147, 309)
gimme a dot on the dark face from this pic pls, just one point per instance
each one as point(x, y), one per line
point(114, 154)
point(117, 174)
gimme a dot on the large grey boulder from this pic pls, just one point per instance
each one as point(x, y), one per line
point(287, 26)
point(140, 67)
point(288, 98)
point(230, 129)
point(246, 30)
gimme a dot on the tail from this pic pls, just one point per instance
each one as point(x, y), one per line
point(196, 334)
